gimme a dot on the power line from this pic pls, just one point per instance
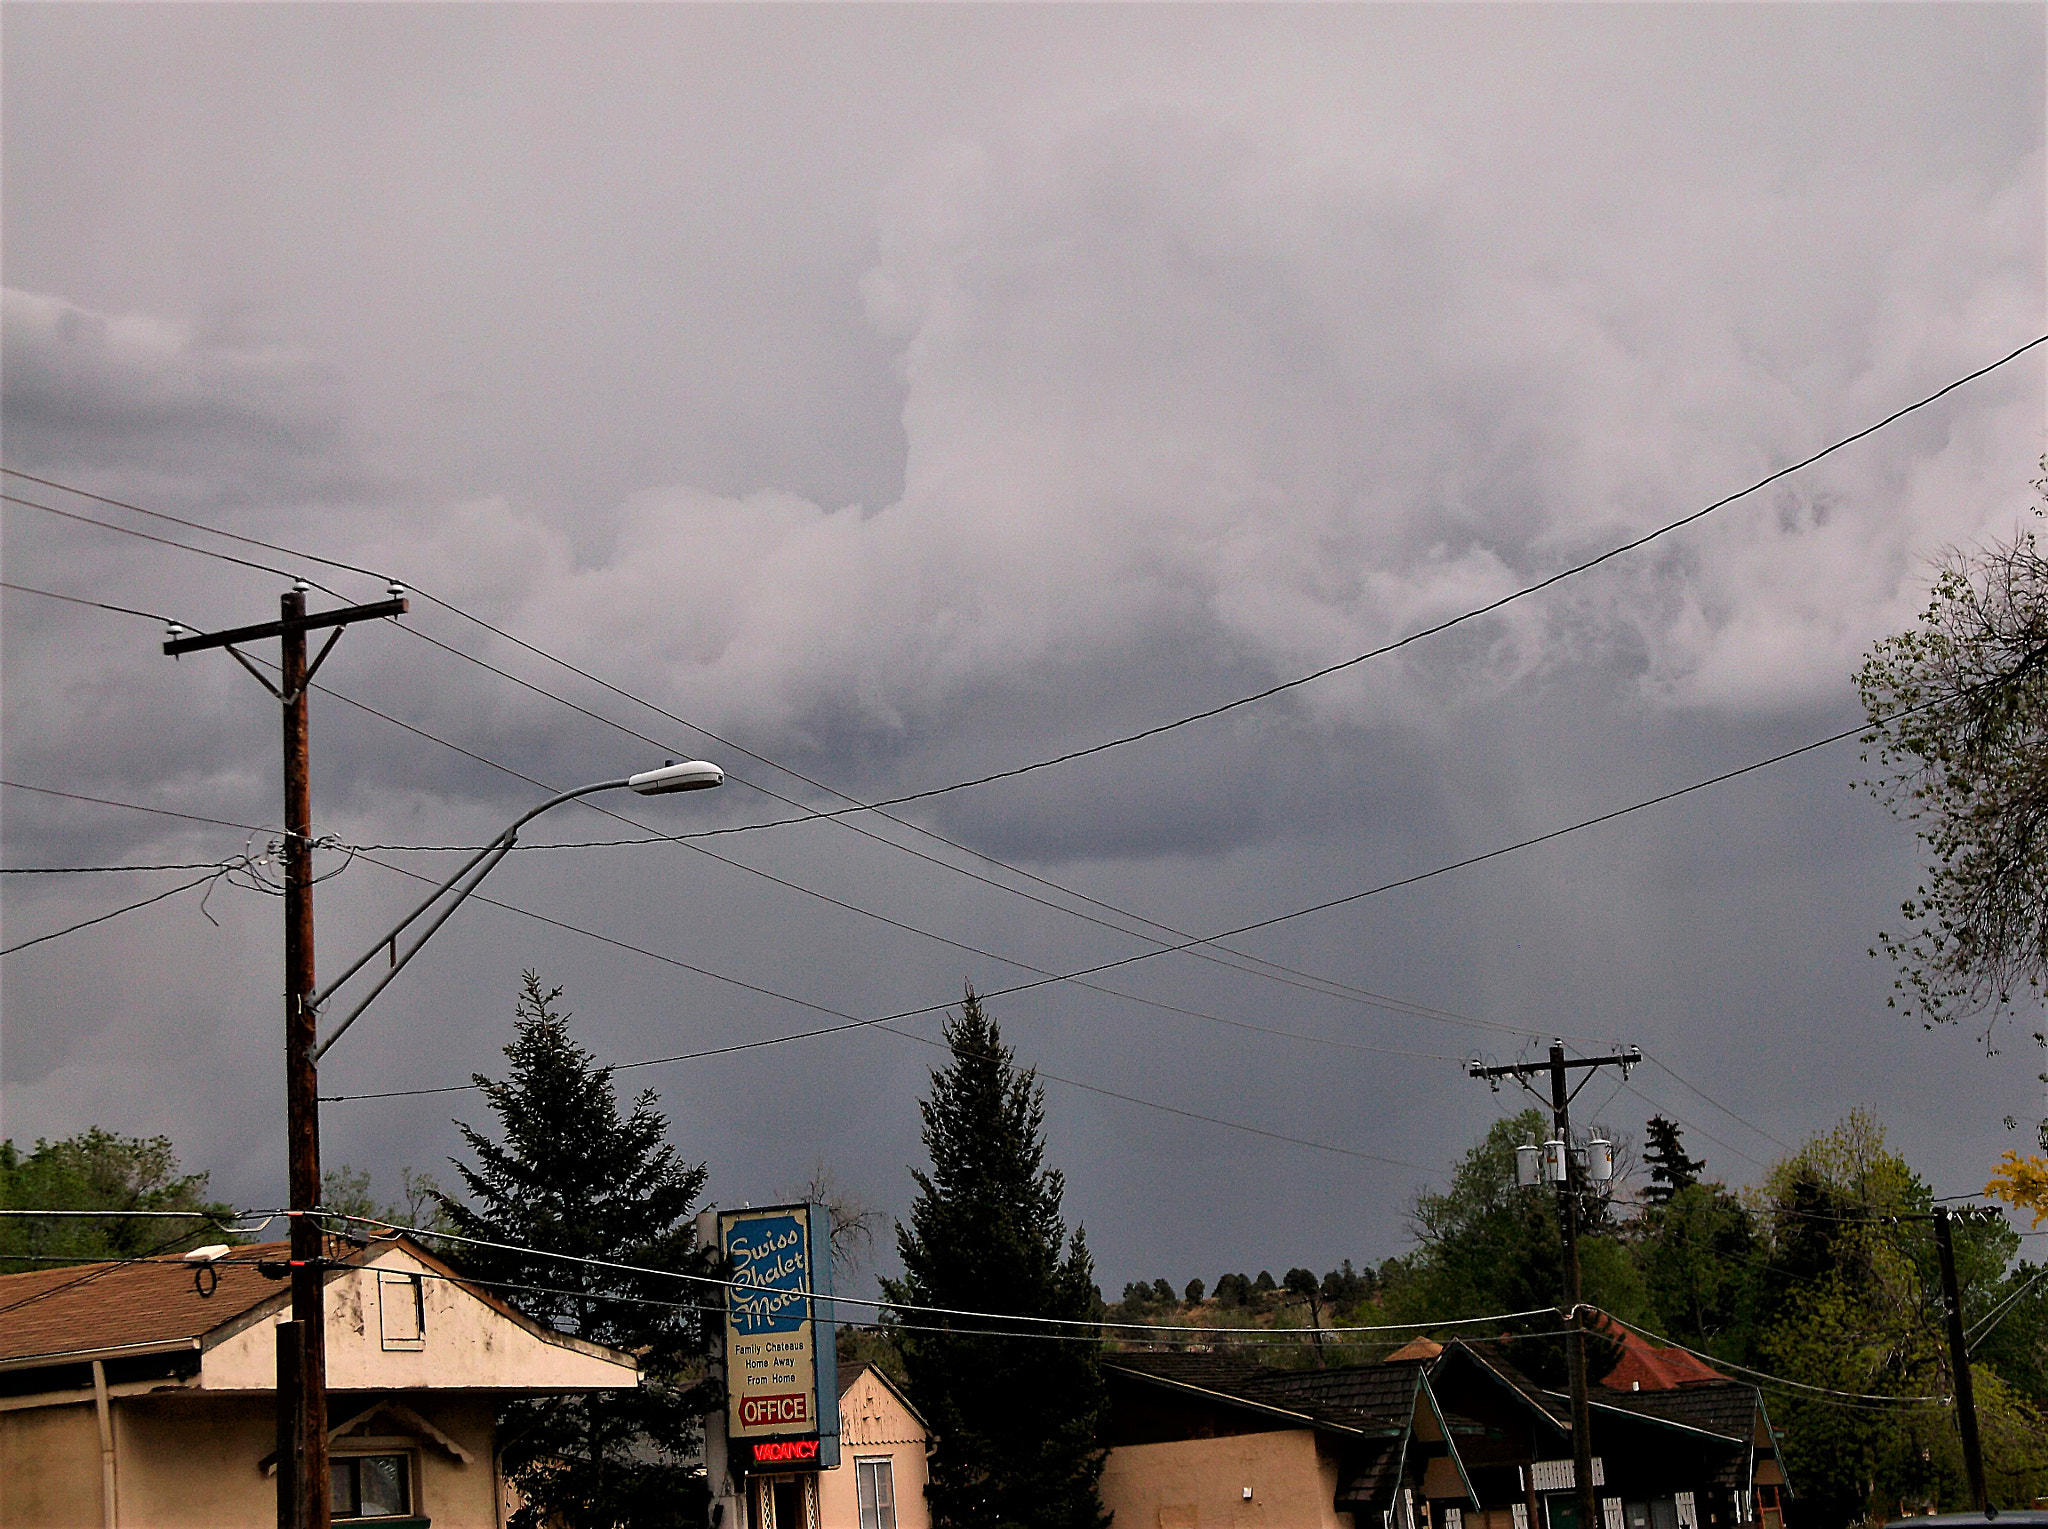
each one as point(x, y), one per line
point(1271, 690)
point(1717, 1104)
point(850, 1024)
point(1158, 729)
point(57, 934)
point(880, 917)
point(1254, 965)
point(161, 541)
point(49, 594)
point(1776, 1380)
point(1173, 1109)
point(162, 812)
point(101, 870)
point(1664, 1109)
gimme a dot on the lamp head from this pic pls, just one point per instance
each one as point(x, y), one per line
point(692, 775)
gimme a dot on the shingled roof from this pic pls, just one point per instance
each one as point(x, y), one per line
point(92, 1311)
point(1360, 1399)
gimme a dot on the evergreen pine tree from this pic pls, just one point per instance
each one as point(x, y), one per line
point(572, 1175)
point(1670, 1169)
point(1018, 1413)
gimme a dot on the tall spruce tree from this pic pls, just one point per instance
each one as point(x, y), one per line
point(1018, 1412)
point(1670, 1169)
point(572, 1175)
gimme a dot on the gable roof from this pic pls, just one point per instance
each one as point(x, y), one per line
point(1645, 1367)
point(849, 1376)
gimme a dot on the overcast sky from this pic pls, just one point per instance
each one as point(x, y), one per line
point(906, 394)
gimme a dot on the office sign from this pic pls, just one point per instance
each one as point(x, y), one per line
point(781, 1364)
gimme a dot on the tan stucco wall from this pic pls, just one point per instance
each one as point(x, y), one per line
point(467, 1344)
point(1199, 1484)
point(50, 1468)
point(872, 1422)
point(191, 1459)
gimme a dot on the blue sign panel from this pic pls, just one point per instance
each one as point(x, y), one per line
point(771, 1272)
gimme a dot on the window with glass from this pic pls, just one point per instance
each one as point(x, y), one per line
point(372, 1486)
point(874, 1484)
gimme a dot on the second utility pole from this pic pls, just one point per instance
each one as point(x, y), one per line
point(304, 1490)
point(1569, 1187)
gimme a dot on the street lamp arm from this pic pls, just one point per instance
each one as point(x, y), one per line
point(493, 852)
point(694, 775)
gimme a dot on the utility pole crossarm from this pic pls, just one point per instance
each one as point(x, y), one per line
point(173, 646)
point(1557, 1067)
point(1626, 1059)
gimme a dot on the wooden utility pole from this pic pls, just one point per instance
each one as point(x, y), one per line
point(304, 1487)
point(1959, 1360)
point(1569, 1187)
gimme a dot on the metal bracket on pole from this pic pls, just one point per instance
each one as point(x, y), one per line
point(482, 863)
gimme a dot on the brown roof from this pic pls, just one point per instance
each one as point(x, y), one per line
point(1645, 1367)
point(91, 1309)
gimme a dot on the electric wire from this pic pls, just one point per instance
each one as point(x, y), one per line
point(101, 870)
point(50, 594)
point(57, 934)
point(1241, 961)
point(1717, 1104)
point(885, 1304)
point(852, 1023)
point(1374, 1000)
point(870, 913)
point(1985, 1325)
point(162, 812)
point(1766, 1376)
point(1326, 986)
point(1231, 705)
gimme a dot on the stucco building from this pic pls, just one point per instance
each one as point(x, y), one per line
point(880, 1478)
point(142, 1395)
point(1452, 1437)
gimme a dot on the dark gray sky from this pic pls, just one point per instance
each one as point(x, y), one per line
point(910, 393)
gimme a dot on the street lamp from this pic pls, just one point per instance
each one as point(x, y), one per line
point(302, 1342)
point(695, 775)
point(302, 1484)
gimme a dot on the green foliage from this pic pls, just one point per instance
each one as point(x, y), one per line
point(1193, 1294)
point(877, 1345)
point(571, 1174)
point(1018, 1416)
point(1696, 1252)
point(1487, 1245)
point(346, 1192)
point(1233, 1291)
point(98, 1170)
point(1345, 1289)
point(1958, 712)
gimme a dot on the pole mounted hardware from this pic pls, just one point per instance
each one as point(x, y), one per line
point(303, 1489)
point(1563, 1167)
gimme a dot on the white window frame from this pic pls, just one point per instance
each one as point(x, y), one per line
point(878, 1469)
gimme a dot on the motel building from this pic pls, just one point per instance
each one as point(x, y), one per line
point(877, 1484)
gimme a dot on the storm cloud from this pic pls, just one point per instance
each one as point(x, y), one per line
point(909, 394)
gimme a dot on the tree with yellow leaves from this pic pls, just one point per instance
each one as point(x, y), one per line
point(2022, 1182)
